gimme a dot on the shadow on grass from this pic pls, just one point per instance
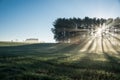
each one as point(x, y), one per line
point(83, 69)
point(27, 62)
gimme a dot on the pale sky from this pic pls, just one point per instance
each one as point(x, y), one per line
point(22, 19)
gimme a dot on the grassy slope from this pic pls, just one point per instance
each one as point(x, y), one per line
point(12, 43)
point(52, 61)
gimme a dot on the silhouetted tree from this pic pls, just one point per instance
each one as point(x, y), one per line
point(66, 28)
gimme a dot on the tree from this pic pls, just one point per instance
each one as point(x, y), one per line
point(65, 28)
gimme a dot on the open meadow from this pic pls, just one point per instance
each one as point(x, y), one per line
point(57, 61)
point(59, 39)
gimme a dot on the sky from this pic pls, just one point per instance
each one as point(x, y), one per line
point(23, 19)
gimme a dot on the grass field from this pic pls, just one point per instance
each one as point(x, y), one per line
point(54, 61)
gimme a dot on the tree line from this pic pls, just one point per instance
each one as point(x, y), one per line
point(67, 28)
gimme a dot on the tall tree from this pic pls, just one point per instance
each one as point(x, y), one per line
point(66, 28)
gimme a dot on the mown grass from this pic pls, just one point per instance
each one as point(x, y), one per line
point(53, 61)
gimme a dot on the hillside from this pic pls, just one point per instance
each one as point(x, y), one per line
point(54, 61)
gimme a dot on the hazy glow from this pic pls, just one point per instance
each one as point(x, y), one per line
point(21, 19)
point(102, 41)
point(99, 32)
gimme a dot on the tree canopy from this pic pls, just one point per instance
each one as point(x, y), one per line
point(66, 28)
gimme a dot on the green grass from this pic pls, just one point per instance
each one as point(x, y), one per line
point(12, 43)
point(53, 61)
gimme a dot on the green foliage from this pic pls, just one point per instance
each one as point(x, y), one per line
point(64, 28)
point(63, 25)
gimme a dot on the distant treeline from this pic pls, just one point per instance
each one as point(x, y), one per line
point(63, 26)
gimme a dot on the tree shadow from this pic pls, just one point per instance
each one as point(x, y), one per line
point(30, 63)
